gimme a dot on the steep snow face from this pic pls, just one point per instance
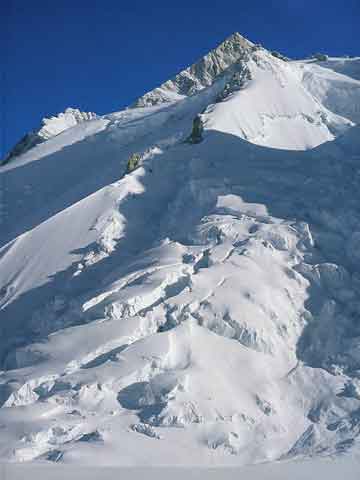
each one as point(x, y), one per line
point(329, 84)
point(202, 309)
point(50, 127)
point(273, 109)
point(349, 66)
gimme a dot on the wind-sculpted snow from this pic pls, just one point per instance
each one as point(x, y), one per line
point(202, 309)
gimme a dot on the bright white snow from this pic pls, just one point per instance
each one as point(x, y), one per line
point(203, 308)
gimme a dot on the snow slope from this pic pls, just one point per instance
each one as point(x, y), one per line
point(203, 308)
point(330, 469)
point(349, 66)
point(336, 84)
point(274, 110)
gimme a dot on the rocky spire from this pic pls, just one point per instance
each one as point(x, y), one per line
point(201, 74)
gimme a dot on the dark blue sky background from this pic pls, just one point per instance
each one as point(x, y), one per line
point(100, 55)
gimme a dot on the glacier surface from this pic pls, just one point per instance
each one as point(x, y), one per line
point(202, 309)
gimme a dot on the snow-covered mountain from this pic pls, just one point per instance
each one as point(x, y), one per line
point(233, 51)
point(49, 128)
point(180, 280)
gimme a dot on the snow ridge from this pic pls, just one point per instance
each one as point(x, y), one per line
point(49, 128)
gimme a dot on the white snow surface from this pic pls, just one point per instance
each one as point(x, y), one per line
point(202, 309)
point(330, 469)
point(275, 110)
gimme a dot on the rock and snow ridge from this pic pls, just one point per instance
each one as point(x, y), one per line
point(203, 308)
point(49, 128)
point(202, 74)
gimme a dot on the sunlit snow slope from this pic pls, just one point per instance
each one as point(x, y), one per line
point(202, 308)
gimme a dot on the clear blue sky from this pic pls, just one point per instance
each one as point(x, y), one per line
point(100, 55)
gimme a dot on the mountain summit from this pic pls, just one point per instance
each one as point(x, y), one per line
point(180, 280)
point(202, 73)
